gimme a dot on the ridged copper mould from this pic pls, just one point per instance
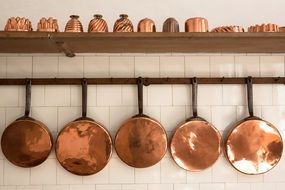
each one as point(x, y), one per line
point(98, 24)
point(84, 146)
point(264, 28)
point(141, 141)
point(18, 24)
point(196, 24)
point(196, 143)
point(26, 142)
point(74, 25)
point(123, 24)
point(170, 25)
point(253, 146)
point(146, 25)
point(228, 29)
point(48, 25)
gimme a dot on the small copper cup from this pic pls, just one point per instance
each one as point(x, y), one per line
point(48, 25)
point(264, 28)
point(18, 24)
point(98, 24)
point(170, 25)
point(146, 25)
point(196, 24)
point(123, 24)
point(74, 25)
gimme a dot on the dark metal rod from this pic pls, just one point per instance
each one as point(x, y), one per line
point(146, 81)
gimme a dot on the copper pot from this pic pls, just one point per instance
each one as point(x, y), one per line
point(196, 24)
point(74, 25)
point(146, 25)
point(26, 142)
point(48, 25)
point(228, 29)
point(98, 24)
point(123, 24)
point(253, 146)
point(264, 28)
point(18, 24)
point(170, 25)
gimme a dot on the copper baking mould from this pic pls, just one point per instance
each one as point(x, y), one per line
point(74, 25)
point(123, 24)
point(170, 25)
point(98, 24)
point(264, 28)
point(18, 24)
point(282, 29)
point(146, 25)
point(228, 29)
point(48, 25)
point(196, 24)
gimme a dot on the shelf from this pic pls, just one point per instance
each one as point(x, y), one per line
point(37, 42)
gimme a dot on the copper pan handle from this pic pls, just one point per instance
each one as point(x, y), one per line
point(84, 98)
point(249, 95)
point(194, 96)
point(140, 95)
point(28, 98)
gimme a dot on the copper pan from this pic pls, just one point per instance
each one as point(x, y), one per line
point(141, 141)
point(196, 143)
point(253, 146)
point(83, 146)
point(26, 142)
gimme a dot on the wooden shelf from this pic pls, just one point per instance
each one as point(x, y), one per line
point(38, 42)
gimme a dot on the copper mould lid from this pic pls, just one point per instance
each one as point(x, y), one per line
point(74, 25)
point(146, 25)
point(196, 24)
point(123, 24)
point(98, 24)
point(228, 29)
point(264, 28)
point(48, 25)
point(18, 24)
point(170, 25)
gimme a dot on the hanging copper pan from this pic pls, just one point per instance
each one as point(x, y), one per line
point(26, 142)
point(84, 146)
point(141, 141)
point(196, 143)
point(253, 146)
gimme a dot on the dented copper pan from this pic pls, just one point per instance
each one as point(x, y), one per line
point(254, 146)
point(141, 141)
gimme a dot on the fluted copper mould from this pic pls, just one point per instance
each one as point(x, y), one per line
point(98, 24)
point(196, 24)
point(146, 25)
point(253, 146)
point(228, 29)
point(18, 24)
point(26, 142)
point(264, 28)
point(74, 25)
point(48, 25)
point(170, 25)
point(123, 24)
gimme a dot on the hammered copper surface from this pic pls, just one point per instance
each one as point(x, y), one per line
point(18, 24)
point(141, 142)
point(170, 25)
point(146, 25)
point(48, 25)
point(228, 29)
point(254, 146)
point(123, 24)
point(98, 24)
point(83, 147)
point(196, 24)
point(264, 28)
point(26, 143)
point(74, 25)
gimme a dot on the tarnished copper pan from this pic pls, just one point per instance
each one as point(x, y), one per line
point(26, 142)
point(84, 146)
point(254, 146)
point(196, 143)
point(141, 141)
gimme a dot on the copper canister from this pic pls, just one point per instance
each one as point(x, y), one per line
point(170, 25)
point(73, 25)
point(196, 24)
point(264, 28)
point(146, 25)
point(48, 25)
point(123, 24)
point(18, 24)
point(98, 24)
point(228, 29)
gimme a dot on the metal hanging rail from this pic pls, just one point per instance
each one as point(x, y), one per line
point(146, 81)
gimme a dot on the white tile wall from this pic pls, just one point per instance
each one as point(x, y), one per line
point(222, 105)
